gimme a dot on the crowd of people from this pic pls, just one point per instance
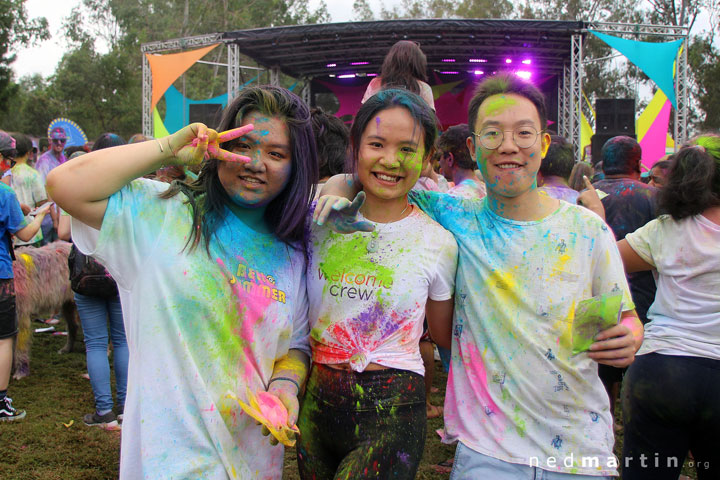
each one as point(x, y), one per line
point(282, 252)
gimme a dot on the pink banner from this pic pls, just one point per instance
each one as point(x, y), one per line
point(653, 143)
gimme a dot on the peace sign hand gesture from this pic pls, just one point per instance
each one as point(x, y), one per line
point(196, 142)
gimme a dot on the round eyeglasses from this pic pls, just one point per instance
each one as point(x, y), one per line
point(492, 137)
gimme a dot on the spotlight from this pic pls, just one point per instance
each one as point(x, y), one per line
point(478, 72)
point(331, 65)
point(450, 73)
point(360, 63)
point(478, 60)
point(524, 74)
point(527, 61)
point(508, 60)
point(346, 75)
point(449, 60)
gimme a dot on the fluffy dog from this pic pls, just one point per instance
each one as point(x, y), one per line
point(42, 288)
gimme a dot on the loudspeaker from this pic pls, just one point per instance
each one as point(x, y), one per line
point(207, 113)
point(598, 140)
point(615, 115)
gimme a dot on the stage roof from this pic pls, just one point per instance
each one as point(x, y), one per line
point(451, 45)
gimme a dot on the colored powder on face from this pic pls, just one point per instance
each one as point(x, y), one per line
point(495, 105)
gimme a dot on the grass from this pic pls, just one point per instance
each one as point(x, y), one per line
point(55, 393)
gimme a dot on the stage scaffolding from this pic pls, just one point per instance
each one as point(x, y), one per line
point(570, 84)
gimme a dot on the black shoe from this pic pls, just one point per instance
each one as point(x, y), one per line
point(121, 411)
point(8, 413)
point(106, 422)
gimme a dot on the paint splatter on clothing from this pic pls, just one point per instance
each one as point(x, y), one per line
point(368, 306)
point(630, 205)
point(361, 425)
point(197, 326)
point(517, 285)
point(561, 192)
point(30, 189)
point(468, 188)
point(685, 317)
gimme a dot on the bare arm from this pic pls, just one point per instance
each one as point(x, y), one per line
point(83, 185)
point(28, 231)
point(439, 316)
point(64, 228)
point(631, 260)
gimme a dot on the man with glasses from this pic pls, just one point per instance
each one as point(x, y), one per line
point(47, 161)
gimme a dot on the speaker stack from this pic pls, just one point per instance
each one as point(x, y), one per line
point(613, 117)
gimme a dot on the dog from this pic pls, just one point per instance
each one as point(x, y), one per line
point(42, 288)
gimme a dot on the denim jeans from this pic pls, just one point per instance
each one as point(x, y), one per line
point(94, 313)
point(471, 465)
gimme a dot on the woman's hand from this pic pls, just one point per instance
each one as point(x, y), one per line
point(341, 214)
point(590, 199)
point(196, 142)
point(287, 393)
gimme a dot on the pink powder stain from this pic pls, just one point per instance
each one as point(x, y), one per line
point(476, 371)
point(272, 409)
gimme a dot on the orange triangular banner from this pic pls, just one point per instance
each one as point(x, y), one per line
point(166, 69)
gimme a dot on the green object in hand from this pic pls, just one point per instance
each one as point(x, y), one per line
point(593, 316)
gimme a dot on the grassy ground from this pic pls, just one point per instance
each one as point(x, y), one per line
point(45, 445)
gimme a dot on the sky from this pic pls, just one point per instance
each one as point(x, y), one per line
point(43, 58)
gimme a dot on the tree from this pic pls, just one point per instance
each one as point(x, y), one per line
point(704, 63)
point(16, 29)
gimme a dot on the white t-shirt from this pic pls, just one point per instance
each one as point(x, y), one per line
point(197, 327)
point(369, 307)
point(29, 189)
point(685, 316)
point(515, 391)
point(468, 188)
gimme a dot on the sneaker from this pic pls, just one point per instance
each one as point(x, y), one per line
point(121, 410)
point(8, 413)
point(106, 422)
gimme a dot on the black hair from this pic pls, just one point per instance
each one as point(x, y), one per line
point(23, 144)
point(693, 183)
point(287, 212)
point(454, 140)
point(559, 159)
point(332, 139)
point(421, 112)
point(403, 66)
point(107, 140)
point(621, 155)
point(506, 83)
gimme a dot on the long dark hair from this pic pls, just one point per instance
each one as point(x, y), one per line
point(286, 213)
point(693, 184)
point(423, 115)
point(403, 66)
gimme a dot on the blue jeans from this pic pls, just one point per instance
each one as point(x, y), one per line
point(94, 313)
point(470, 464)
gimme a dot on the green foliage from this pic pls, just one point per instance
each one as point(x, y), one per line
point(704, 63)
point(16, 29)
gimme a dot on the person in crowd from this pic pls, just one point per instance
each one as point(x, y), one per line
point(430, 179)
point(457, 165)
point(519, 402)
point(27, 184)
point(658, 173)
point(629, 205)
point(404, 66)
point(580, 170)
point(670, 394)
point(52, 158)
point(332, 139)
point(100, 312)
point(363, 414)
point(556, 168)
point(12, 222)
point(139, 137)
point(212, 281)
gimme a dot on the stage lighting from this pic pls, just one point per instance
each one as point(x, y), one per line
point(360, 63)
point(524, 74)
point(331, 65)
point(450, 73)
point(527, 61)
point(372, 75)
point(508, 60)
point(478, 60)
point(346, 75)
point(448, 60)
point(478, 72)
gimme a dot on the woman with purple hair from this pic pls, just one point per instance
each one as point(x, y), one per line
point(212, 281)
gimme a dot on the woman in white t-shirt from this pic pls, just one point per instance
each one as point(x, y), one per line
point(211, 277)
point(671, 393)
point(404, 66)
point(363, 413)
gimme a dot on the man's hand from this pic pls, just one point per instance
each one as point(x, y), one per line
point(616, 346)
point(341, 214)
point(590, 199)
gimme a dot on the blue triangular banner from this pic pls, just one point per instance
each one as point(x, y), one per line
point(656, 60)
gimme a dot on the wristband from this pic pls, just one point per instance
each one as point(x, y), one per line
point(287, 379)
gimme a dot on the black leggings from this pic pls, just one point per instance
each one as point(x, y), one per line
point(671, 405)
point(361, 425)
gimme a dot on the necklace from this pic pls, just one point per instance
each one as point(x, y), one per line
point(374, 243)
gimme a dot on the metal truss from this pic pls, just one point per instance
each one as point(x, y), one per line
point(181, 43)
point(575, 93)
point(147, 124)
point(233, 71)
point(275, 76)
